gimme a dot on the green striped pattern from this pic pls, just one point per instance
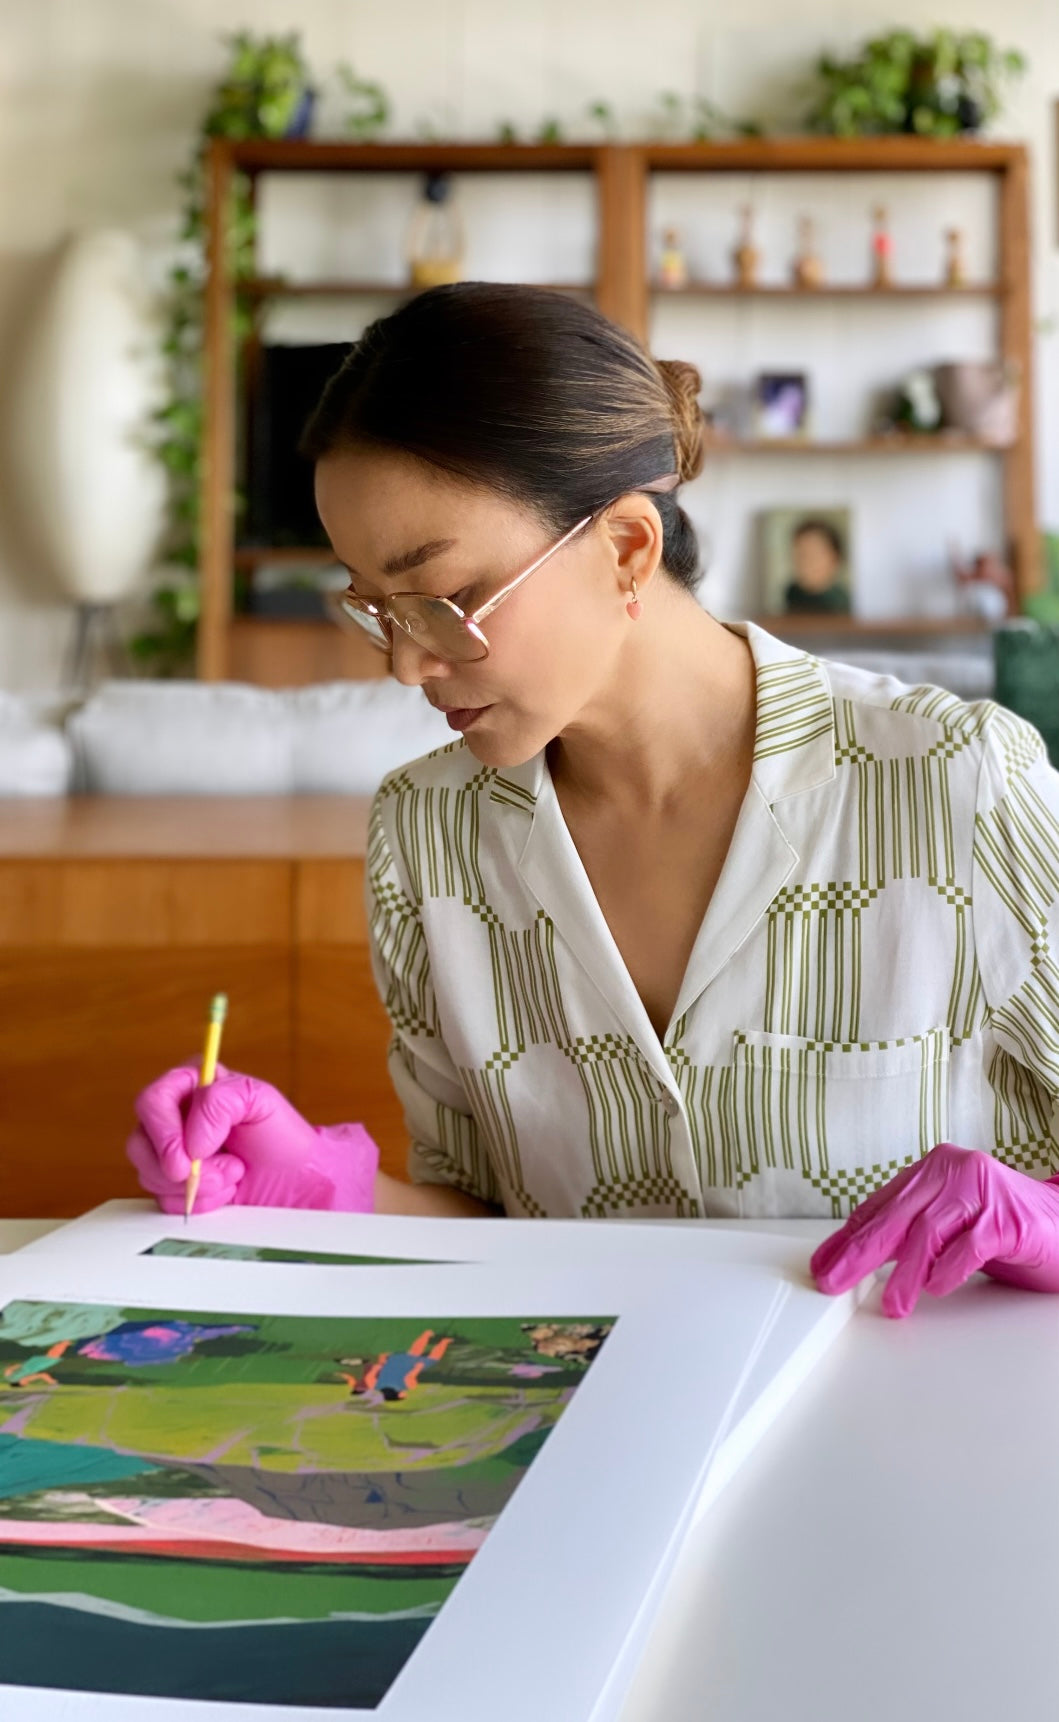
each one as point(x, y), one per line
point(899, 988)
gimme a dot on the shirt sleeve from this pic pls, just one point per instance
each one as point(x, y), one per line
point(1015, 900)
point(446, 1145)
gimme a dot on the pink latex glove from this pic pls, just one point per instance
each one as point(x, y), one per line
point(953, 1213)
point(256, 1150)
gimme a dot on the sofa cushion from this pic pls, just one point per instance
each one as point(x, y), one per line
point(35, 756)
point(183, 738)
point(348, 735)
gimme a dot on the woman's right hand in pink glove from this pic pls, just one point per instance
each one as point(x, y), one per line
point(255, 1149)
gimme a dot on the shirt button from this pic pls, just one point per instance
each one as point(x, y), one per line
point(671, 1103)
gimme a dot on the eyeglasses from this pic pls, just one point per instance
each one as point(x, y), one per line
point(439, 625)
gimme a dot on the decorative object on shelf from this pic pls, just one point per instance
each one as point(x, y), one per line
point(266, 90)
point(695, 119)
point(602, 117)
point(781, 404)
point(986, 585)
point(746, 258)
point(82, 390)
point(672, 263)
point(882, 247)
point(435, 238)
point(914, 405)
point(955, 270)
point(806, 561)
point(935, 86)
point(981, 398)
point(368, 110)
point(808, 268)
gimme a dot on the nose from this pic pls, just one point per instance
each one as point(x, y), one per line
point(413, 664)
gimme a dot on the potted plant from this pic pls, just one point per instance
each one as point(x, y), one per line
point(264, 92)
point(940, 85)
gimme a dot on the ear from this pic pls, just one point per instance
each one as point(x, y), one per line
point(632, 531)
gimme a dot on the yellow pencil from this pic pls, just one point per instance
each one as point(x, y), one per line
point(218, 1012)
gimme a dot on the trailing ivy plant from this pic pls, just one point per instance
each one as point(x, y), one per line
point(933, 86)
point(265, 92)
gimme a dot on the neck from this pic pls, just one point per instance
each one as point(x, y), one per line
point(680, 707)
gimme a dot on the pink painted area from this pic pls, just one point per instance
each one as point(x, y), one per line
point(143, 1521)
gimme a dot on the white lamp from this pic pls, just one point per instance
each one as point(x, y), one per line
point(85, 384)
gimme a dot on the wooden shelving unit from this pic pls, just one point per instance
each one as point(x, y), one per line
point(940, 442)
point(834, 290)
point(266, 650)
point(915, 628)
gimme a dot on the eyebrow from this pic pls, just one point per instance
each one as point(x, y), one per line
point(413, 558)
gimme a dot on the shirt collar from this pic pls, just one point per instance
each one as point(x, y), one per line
point(794, 742)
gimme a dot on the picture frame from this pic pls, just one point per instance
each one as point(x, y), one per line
point(780, 403)
point(806, 561)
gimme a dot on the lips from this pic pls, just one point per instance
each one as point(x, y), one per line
point(462, 717)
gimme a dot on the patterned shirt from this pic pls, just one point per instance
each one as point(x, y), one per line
point(876, 971)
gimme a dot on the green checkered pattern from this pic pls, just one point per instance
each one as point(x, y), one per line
point(899, 987)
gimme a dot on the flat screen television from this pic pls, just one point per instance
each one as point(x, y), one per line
point(289, 381)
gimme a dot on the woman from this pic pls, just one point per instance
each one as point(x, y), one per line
point(684, 921)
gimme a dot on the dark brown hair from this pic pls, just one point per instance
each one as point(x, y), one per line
point(528, 391)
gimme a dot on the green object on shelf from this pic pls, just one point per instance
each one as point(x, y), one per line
point(940, 85)
point(1026, 655)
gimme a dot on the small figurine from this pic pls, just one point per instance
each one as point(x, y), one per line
point(672, 264)
point(955, 275)
point(881, 248)
point(986, 585)
point(746, 257)
point(808, 269)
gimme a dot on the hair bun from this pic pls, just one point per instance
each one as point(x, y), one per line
point(683, 384)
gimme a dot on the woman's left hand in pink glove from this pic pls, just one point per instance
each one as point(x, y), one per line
point(953, 1213)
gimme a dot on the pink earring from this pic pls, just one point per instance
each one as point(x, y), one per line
point(634, 607)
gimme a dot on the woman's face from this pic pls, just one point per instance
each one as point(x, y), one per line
point(554, 645)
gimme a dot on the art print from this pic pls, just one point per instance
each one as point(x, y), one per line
point(256, 1508)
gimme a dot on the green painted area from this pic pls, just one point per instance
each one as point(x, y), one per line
point(210, 1252)
point(259, 1419)
point(27, 1466)
point(222, 1590)
point(293, 1428)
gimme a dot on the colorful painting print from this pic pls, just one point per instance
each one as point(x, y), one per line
point(204, 1251)
point(255, 1508)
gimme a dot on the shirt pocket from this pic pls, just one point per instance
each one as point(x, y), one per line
point(819, 1124)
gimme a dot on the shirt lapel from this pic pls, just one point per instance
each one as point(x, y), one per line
point(554, 872)
point(794, 751)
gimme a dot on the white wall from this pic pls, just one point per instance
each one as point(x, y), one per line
point(99, 100)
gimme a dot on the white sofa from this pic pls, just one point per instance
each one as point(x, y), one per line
point(226, 738)
point(192, 738)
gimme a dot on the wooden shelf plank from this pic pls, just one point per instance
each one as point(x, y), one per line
point(877, 627)
point(803, 154)
point(276, 287)
point(939, 442)
point(300, 155)
point(835, 290)
point(250, 556)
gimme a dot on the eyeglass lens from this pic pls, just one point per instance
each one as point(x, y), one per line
point(431, 622)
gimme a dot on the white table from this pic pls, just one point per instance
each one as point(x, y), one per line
point(892, 1546)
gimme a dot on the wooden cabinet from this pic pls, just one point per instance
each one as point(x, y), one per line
point(118, 921)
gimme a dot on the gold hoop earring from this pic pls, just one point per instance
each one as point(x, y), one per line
point(634, 607)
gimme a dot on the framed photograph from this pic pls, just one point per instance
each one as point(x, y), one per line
point(807, 561)
point(781, 404)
